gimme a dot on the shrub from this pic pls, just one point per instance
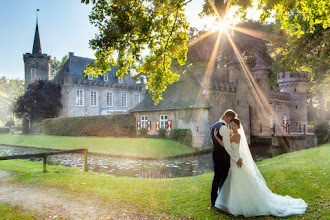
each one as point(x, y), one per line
point(322, 132)
point(143, 132)
point(4, 130)
point(162, 133)
point(184, 136)
point(109, 125)
point(10, 123)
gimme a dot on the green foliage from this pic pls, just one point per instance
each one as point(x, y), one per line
point(184, 136)
point(129, 27)
point(41, 100)
point(10, 123)
point(112, 125)
point(292, 14)
point(10, 90)
point(51, 161)
point(162, 133)
point(143, 132)
point(56, 65)
point(322, 132)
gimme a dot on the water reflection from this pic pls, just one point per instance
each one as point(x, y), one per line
point(169, 168)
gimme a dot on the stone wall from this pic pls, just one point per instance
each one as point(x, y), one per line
point(41, 62)
point(194, 119)
point(70, 109)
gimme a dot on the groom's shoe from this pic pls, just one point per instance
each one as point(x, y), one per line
point(221, 211)
point(211, 206)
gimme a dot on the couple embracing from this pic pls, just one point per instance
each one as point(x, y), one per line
point(238, 187)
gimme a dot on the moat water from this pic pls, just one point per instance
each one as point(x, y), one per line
point(167, 168)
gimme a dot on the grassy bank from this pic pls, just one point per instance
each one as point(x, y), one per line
point(301, 174)
point(141, 147)
point(7, 212)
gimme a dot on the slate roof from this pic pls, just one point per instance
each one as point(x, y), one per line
point(36, 44)
point(76, 65)
point(184, 94)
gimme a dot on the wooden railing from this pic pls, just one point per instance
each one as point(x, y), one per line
point(46, 154)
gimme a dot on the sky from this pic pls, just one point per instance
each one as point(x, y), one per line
point(63, 27)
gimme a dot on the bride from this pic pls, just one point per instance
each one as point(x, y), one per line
point(245, 191)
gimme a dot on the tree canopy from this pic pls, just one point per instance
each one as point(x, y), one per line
point(128, 28)
point(56, 65)
point(10, 90)
point(41, 100)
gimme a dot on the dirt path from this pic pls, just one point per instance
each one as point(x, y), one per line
point(59, 204)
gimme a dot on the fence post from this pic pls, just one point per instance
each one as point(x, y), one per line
point(288, 129)
point(85, 160)
point(274, 128)
point(44, 163)
point(304, 129)
point(260, 128)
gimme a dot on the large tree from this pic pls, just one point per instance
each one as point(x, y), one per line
point(41, 100)
point(128, 27)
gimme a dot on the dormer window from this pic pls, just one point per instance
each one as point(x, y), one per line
point(90, 77)
point(120, 80)
point(106, 78)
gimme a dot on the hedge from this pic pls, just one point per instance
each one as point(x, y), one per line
point(4, 130)
point(322, 132)
point(184, 136)
point(109, 125)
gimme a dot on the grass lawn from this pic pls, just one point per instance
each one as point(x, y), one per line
point(302, 174)
point(142, 147)
point(7, 212)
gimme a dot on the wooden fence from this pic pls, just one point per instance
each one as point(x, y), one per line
point(46, 154)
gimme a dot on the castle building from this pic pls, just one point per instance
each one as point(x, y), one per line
point(84, 95)
point(265, 114)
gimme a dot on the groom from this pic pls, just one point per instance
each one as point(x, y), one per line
point(221, 155)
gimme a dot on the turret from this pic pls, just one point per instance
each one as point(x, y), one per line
point(37, 64)
point(296, 85)
point(237, 76)
point(261, 73)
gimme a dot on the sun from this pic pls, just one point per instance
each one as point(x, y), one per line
point(223, 25)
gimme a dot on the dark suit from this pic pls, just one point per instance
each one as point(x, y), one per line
point(221, 161)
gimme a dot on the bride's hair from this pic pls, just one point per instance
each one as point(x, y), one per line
point(237, 121)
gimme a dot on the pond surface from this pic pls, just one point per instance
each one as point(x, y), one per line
point(168, 168)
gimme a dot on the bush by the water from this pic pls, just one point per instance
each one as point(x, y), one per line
point(109, 125)
point(4, 130)
point(143, 132)
point(322, 132)
point(184, 136)
point(162, 133)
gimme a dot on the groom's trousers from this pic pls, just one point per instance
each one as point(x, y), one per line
point(220, 175)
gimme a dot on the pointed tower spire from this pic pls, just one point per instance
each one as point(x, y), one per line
point(260, 63)
point(37, 44)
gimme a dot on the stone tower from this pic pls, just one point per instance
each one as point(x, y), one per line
point(296, 85)
point(261, 113)
point(37, 64)
point(237, 76)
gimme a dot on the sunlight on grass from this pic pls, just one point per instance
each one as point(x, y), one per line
point(143, 147)
point(301, 174)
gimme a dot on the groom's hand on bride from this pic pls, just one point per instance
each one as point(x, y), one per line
point(239, 163)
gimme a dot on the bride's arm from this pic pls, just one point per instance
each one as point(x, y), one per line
point(216, 137)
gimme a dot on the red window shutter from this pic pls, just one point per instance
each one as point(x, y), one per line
point(138, 125)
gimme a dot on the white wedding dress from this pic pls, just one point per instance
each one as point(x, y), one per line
point(245, 191)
